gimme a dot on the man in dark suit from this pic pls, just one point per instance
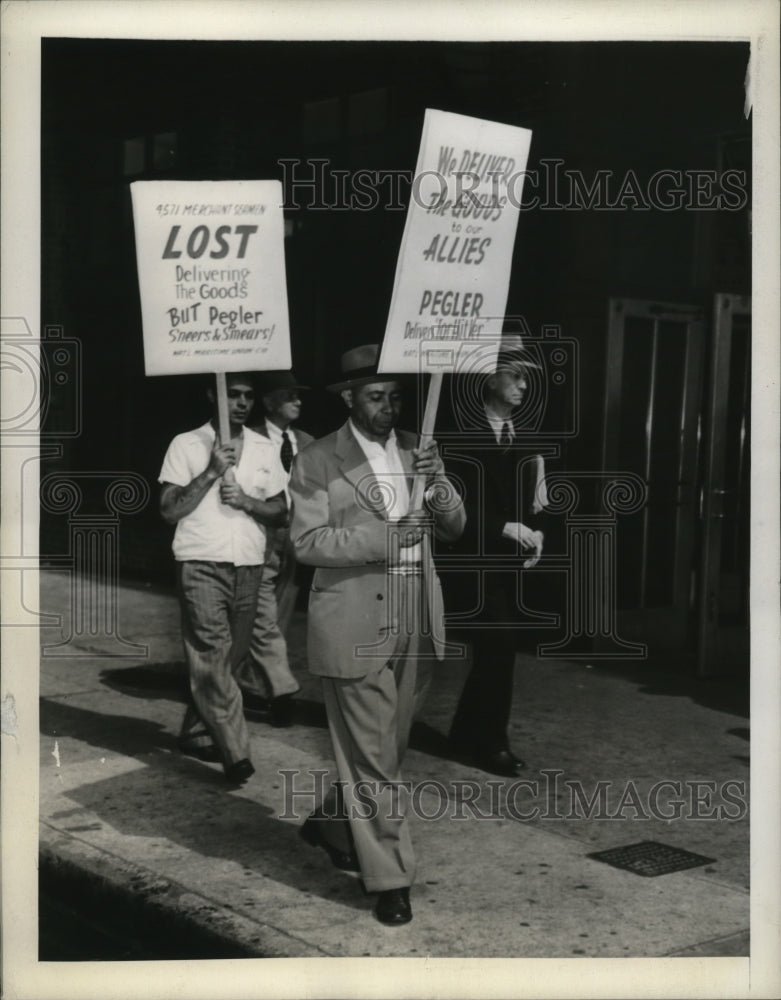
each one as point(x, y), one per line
point(504, 498)
point(265, 675)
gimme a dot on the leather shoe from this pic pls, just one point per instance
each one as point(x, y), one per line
point(240, 772)
point(281, 711)
point(254, 702)
point(346, 861)
point(393, 907)
point(501, 762)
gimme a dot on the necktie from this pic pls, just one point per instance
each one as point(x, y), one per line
point(286, 452)
point(504, 438)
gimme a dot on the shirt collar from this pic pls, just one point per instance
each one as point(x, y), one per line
point(275, 432)
point(365, 442)
point(209, 428)
point(496, 421)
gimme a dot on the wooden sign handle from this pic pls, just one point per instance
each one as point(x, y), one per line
point(222, 418)
point(426, 434)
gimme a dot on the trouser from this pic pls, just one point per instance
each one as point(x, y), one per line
point(218, 607)
point(483, 713)
point(265, 671)
point(370, 720)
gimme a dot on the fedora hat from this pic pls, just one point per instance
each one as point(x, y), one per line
point(359, 367)
point(270, 381)
point(512, 354)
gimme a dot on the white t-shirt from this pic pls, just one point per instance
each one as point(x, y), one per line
point(215, 532)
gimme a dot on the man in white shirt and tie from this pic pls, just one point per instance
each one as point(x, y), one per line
point(264, 675)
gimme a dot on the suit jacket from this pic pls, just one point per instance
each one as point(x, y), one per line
point(339, 525)
point(499, 484)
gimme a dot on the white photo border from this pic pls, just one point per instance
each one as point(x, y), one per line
point(23, 26)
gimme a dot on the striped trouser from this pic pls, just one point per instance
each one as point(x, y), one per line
point(218, 603)
point(266, 671)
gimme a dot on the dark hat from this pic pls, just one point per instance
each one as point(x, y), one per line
point(359, 366)
point(512, 354)
point(270, 381)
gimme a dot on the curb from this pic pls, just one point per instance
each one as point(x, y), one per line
point(145, 916)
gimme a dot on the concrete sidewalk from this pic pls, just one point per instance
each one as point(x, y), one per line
point(124, 813)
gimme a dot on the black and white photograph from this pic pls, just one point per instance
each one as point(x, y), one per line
point(390, 500)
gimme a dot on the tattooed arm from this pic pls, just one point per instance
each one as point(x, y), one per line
point(271, 512)
point(177, 502)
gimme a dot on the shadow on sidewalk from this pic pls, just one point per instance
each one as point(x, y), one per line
point(169, 681)
point(174, 798)
point(730, 694)
point(151, 680)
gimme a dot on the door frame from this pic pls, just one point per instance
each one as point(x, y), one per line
point(662, 628)
point(717, 645)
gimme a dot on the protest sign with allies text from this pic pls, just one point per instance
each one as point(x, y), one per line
point(453, 270)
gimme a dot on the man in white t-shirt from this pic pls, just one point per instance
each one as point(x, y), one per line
point(221, 497)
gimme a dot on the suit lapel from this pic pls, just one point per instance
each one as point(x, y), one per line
point(405, 446)
point(356, 470)
point(498, 460)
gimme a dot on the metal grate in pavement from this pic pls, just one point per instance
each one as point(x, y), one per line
point(649, 858)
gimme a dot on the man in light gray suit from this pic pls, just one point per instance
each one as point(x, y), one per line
point(376, 618)
point(264, 675)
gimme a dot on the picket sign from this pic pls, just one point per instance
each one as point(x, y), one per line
point(223, 422)
point(211, 273)
point(426, 436)
point(453, 271)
